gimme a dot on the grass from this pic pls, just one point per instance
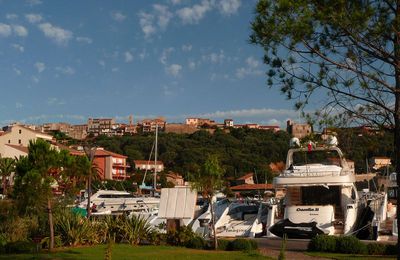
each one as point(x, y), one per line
point(121, 251)
point(348, 256)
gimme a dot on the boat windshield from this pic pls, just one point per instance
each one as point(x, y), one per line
point(326, 157)
point(116, 196)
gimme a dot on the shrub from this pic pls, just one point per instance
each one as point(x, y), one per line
point(323, 243)
point(20, 247)
point(242, 244)
point(73, 229)
point(196, 243)
point(376, 249)
point(180, 236)
point(136, 229)
point(223, 244)
point(391, 249)
point(350, 245)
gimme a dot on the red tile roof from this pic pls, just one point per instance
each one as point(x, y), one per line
point(101, 152)
point(244, 177)
point(147, 162)
point(261, 186)
point(21, 148)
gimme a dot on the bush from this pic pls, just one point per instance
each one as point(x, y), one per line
point(376, 249)
point(323, 243)
point(242, 244)
point(391, 249)
point(181, 236)
point(223, 244)
point(196, 243)
point(350, 245)
point(20, 247)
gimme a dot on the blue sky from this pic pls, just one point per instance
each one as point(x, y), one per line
point(66, 60)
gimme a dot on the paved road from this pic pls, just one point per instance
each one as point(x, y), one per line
point(295, 248)
point(276, 243)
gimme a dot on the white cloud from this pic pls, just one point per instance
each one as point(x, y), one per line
point(18, 47)
point(187, 47)
point(252, 62)
point(128, 57)
point(192, 65)
point(20, 30)
point(251, 68)
point(192, 15)
point(35, 79)
point(102, 63)
point(18, 105)
point(175, 2)
point(165, 54)
point(57, 34)
point(118, 16)
point(54, 101)
point(34, 2)
point(163, 15)
point(33, 18)
point(214, 57)
point(66, 70)
point(228, 7)
point(11, 16)
point(157, 20)
point(84, 40)
point(143, 54)
point(174, 70)
point(17, 71)
point(5, 30)
point(255, 112)
point(146, 23)
point(115, 69)
point(40, 66)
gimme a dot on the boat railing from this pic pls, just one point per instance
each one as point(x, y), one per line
point(311, 173)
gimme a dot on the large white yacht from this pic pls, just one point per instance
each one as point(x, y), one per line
point(321, 197)
point(112, 201)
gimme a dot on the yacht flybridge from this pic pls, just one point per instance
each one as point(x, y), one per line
point(321, 197)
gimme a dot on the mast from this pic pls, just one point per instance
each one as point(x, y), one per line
point(155, 160)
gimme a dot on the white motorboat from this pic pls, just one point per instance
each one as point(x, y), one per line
point(120, 201)
point(242, 219)
point(321, 197)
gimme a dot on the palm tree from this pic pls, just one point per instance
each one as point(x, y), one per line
point(7, 167)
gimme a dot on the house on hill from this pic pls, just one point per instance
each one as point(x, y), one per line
point(112, 166)
point(15, 140)
point(149, 165)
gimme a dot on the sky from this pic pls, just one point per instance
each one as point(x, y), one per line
point(67, 60)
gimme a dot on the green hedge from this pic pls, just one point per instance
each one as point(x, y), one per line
point(323, 243)
point(242, 244)
point(349, 245)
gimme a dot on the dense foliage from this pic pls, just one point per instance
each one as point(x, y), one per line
point(240, 151)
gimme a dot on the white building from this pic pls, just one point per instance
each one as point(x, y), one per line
point(14, 142)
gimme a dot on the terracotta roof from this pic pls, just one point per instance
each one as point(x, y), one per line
point(21, 148)
point(72, 151)
point(101, 152)
point(174, 175)
point(147, 162)
point(244, 177)
point(261, 186)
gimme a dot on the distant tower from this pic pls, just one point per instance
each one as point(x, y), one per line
point(130, 120)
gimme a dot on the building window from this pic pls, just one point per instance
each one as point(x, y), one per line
point(19, 141)
point(9, 141)
point(20, 131)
